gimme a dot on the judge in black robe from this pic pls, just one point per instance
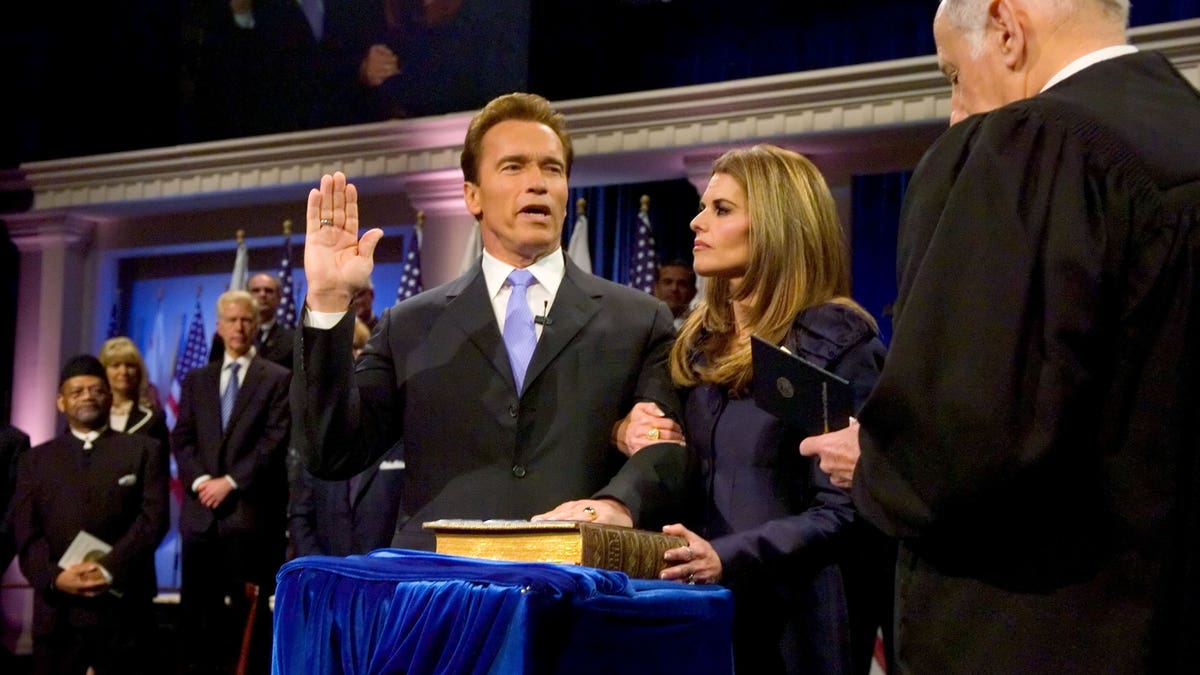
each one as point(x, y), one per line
point(1033, 437)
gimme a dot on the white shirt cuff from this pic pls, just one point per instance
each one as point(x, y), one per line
point(322, 320)
point(232, 482)
point(196, 483)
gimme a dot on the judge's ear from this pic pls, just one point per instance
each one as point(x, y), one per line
point(61, 402)
point(1006, 23)
point(471, 197)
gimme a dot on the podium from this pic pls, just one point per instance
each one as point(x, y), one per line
point(414, 612)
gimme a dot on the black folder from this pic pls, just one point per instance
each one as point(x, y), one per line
point(801, 394)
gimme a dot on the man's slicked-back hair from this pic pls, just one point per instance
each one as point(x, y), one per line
point(518, 106)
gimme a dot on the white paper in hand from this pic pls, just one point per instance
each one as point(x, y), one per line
point(85, 547)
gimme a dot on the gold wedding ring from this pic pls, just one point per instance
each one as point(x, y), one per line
point(591, 513)
point(327, 222)
point(652, 434)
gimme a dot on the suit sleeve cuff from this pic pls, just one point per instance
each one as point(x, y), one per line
point(322, 320)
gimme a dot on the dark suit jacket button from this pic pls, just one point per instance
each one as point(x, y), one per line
point(518, 471)
point(512, 411)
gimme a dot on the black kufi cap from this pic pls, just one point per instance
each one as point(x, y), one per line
point(83, 364)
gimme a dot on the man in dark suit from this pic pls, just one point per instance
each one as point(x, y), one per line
point(230, 442)
point(1032, 439)
point(493, 426)
point(273, 341)
point(95, 611)
point(13, 444)
point(346, 517)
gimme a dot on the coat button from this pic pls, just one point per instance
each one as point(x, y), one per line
point(518, 471)
point(512, 411)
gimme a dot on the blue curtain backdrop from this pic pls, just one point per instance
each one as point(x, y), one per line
point(875, 207)
point(612, 220)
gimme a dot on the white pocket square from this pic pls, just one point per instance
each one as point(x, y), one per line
point(127, 480)
point(391, 465)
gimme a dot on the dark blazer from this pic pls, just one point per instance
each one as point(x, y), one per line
point(435, 373)
point(778, 525)
point(13, 444)
point(1032, 439)
point(253, 450)
point(346, 517)
point(277, 347)
point(149, 422)
point(116, 491)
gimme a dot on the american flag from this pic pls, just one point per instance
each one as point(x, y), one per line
point(644, 263)
point(285, 313)
point(410, 278)
point(193, 353)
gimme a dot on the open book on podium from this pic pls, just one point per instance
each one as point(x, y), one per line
point(638, 553)
point(799, 393)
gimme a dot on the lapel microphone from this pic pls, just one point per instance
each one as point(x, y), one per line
point(542, 318)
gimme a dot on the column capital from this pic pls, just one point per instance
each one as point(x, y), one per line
point(437, 193)
point(37, 232)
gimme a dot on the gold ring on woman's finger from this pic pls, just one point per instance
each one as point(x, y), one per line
point(652, 434)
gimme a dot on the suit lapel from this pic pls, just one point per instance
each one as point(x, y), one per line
point(470, 307)
point(245, 392)
point(576, 302)
point(144, 417)
point(210, 385)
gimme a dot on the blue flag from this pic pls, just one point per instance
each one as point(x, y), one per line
point(285, 313)
point(644, 263)
point(193, 353)
point(410, 278)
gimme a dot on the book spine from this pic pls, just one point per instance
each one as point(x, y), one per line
point(638, 553)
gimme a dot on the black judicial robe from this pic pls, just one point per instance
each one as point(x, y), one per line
point(1033, 437)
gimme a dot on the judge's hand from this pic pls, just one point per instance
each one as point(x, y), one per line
point(214, 491)
point(645, 424)
point(837, 451)
point(336, 262)
point(607, 511)
point(379, 64)
point(83, 578)
point(696, 563)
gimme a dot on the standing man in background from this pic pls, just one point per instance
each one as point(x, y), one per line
point(273, 341)
point(675, 284)
point(230, 442)
point(95, 612)
point(1032, 440)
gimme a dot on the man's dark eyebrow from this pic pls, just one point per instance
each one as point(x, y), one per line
point(518, 158)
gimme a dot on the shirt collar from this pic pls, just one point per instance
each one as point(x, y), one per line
point(549, 271)
point(243, 360)
point(88, 436)
point(1089, 59)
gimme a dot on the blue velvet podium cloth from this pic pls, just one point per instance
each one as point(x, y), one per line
point(400, 611)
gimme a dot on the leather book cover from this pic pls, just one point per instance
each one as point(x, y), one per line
point(799, 393)
point(638, 553)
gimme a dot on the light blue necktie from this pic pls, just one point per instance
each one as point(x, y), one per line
point(229, 396)
point(519, 336)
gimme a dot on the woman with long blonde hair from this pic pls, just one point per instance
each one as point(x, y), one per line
point(133, 410)
point(765, 521)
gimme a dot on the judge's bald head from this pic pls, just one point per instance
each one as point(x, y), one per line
point(995, 52)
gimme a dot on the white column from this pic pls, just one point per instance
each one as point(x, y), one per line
point(54, 309)
point(447, 223)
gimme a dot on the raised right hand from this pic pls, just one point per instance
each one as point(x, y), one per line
point(336, 262)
